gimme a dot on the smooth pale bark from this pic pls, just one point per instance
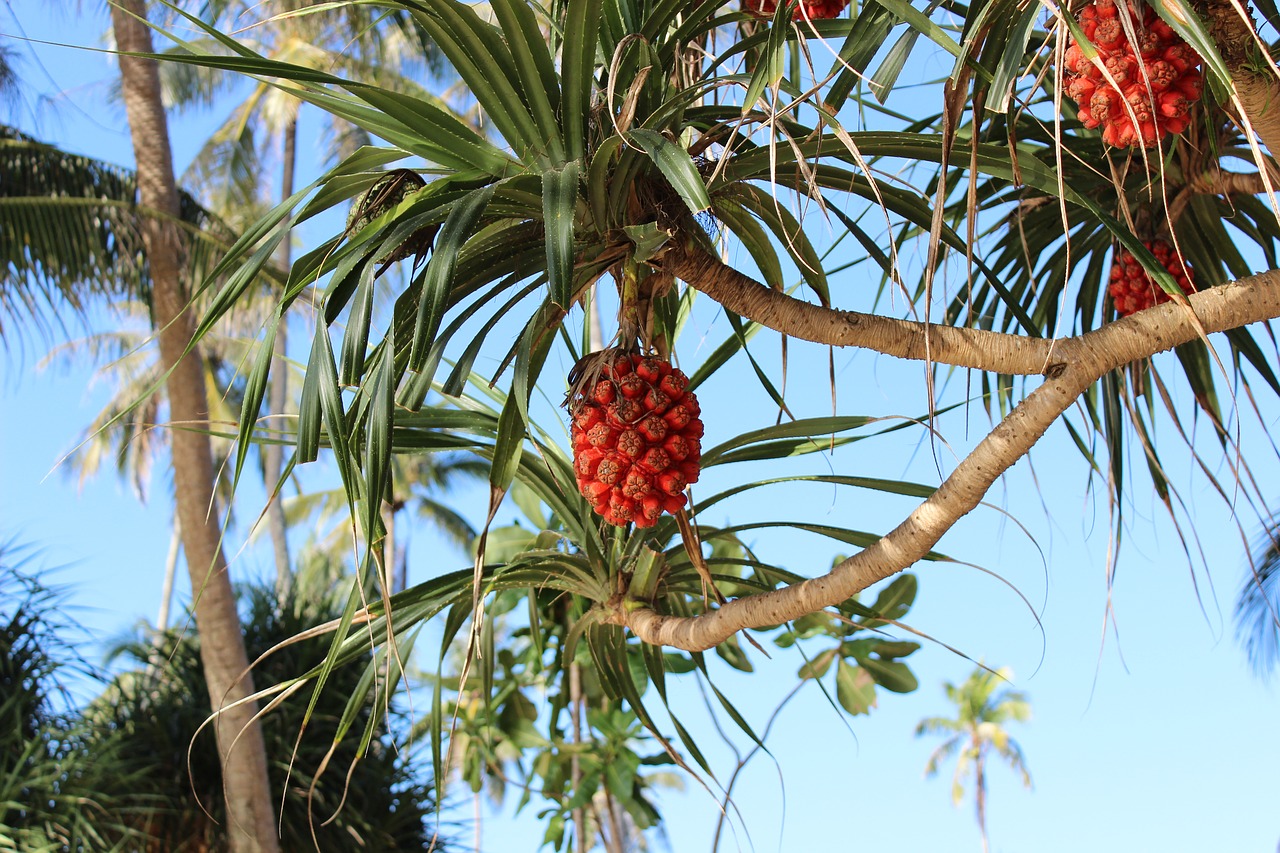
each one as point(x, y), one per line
point(244, 768)
point(743, 295)
point(1083, 360)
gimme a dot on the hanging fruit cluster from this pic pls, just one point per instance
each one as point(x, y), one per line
point(1154, 83)
point(813, 10)
point(636, 438)
point(1133, 290)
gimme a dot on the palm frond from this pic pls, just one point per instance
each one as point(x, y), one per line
point(72, 234)
point(1258, 603)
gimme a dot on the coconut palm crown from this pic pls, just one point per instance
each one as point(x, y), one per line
point(984, 706)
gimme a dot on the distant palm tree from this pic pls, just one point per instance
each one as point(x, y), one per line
point(226, 666)
point(417, 484)
point(976, 730)
point(75, 226)
point(1258, 604)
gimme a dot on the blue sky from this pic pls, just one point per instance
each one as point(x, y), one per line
point(1160, 739)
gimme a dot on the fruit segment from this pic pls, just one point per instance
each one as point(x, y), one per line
point(813, 10)
point(1149, 86)
point(1133, 290)
point(636, 439)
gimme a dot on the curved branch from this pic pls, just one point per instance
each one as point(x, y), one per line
point(1219, 182)
point(977, 348)
point(1083, 360)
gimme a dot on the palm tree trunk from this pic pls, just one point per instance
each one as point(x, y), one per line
point(251, 825)
point(397, 570)
point(980, 798)
point(575, 769)
point(170, 569)
point(278, 398)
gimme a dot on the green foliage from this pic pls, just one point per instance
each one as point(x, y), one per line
point(619, 138)
point(1257, 625)
point(72, 227)
point(64, 785)
point(340, 794)
point(544, 582)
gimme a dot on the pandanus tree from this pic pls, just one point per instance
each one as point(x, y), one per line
point(153, 714)
point(641, 143)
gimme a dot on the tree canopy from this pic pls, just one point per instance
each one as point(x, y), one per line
point(1043, 217)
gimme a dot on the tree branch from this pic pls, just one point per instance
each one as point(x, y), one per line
point(977, 348)
point(1216, 181)
point(1083, 361)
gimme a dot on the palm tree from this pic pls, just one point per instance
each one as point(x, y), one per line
point(226, 665)
point(983, 708)
point(1258, 603)
point(73, 235)
point(611, 126)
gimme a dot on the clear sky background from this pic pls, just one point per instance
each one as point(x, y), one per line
point(1158, 739)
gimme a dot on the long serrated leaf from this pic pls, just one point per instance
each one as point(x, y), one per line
point(309, 417)
point(676, 166)
point(577, 72)
point(870, 28)
point(752, 236)
point(483, 60)
point(770, 65)
point(886, 76)
point(254, 392)
point(246, 276)
point(1011, 64)
point(802, 428)
point(559, 208)
point(355, 342)
point(897, 487)
point(537, 75)
point(457, 379)
point(437, 278)
point(791, 235)
point(920, 22)
point(377, 444)
point(534, 345)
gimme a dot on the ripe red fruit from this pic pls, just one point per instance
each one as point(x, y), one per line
point(1133, 290)
point(1154, 83)
point(636, 438)
point(813, 10)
